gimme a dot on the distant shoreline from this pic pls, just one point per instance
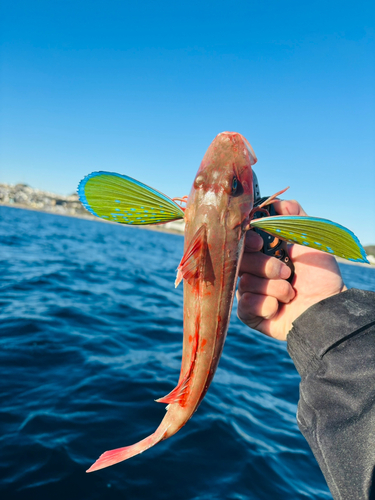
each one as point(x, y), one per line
point(160, 228)
point(345, 261)
point(88, 216)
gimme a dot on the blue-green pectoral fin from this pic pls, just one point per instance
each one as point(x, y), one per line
point(120, 198)
point(316, 233)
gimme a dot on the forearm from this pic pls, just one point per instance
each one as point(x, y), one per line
point(333, 347)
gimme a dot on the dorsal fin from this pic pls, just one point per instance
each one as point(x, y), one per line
point(192, 260)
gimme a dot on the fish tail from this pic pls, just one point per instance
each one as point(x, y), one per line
point(113, 457)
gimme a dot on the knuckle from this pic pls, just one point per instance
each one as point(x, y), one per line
point(244, 283)
point(248, 305)
point(243, 308)
point(296, 208)
point(246, 299)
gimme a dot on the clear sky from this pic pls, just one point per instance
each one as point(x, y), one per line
point(142, 88)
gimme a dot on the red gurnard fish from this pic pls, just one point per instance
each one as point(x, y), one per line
point(216, 216)
point(218, 213)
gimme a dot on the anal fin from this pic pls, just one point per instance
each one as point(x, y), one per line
point(178, 392)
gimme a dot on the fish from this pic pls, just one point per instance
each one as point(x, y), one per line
point(217, 213)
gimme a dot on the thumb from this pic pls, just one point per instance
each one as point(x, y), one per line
point(289, 207)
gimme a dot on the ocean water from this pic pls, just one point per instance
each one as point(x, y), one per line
point(90, 335)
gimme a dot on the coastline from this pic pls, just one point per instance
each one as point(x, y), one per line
point(351, 263)
point(169, 227)
point(175, 227)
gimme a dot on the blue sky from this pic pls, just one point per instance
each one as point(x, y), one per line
point(142, 88)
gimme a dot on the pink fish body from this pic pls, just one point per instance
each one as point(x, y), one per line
point(217, 217)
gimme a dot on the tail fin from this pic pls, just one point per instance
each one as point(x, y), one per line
point(112, 457)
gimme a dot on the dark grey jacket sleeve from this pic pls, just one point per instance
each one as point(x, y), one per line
point(333, 347)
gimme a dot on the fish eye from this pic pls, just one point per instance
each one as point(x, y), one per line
point(234, 185)
point(199, 181)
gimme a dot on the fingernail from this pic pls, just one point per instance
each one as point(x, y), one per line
point(285, 272)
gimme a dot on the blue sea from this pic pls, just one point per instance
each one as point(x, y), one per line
point(91, 334)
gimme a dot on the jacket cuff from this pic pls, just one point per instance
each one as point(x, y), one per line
point(327, 324)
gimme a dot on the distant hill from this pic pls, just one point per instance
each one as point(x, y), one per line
point(22, 195)
point(370, 250)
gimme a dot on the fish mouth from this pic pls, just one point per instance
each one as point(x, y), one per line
point(248, 150)
point(252, 156)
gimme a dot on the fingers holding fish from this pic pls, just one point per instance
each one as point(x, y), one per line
point(259, 264)
point(263, 289)
point(278, 288)
point(253, 308)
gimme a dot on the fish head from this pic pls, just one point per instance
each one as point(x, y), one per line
point(223, 186)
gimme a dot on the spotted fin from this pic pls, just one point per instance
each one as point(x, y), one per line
point(313, 232)
point(191, 261)
point(120, 198)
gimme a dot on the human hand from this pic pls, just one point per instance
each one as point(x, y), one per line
point(269, 303)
